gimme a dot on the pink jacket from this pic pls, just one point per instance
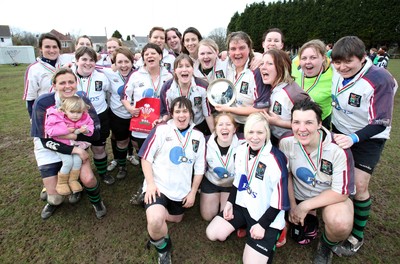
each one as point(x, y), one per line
point(57, 124)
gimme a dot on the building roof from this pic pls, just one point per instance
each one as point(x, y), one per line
point(98, 39)
point(141, 39)
point(60, 36)
point(5, 31)
point(129, 43)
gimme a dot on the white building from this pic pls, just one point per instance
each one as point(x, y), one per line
point(5, 36)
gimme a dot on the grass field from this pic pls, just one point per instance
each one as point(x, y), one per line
point(74, 235)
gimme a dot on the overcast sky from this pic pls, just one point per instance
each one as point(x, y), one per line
point(94, 18)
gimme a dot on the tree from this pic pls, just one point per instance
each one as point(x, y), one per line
point(117, 35)
point(128, 38)
point(219, 36)
point(24, 39)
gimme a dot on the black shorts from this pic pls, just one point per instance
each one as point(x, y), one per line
point(209, 187)
point(119, 126)
point(367, 153)
point(104, 130)
point(173, 207)
point(265, 246)
point(50, 170)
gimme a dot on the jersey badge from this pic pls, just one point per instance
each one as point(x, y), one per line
point(197, 101)
point(195, 145)
point(277, 109)
point(167, 66)
point(219, 74)
point(98, 86)
point(326, 167)
point(354, 100)
point(260, 171)
point(244, 88)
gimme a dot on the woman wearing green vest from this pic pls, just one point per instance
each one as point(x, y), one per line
point(313, 73)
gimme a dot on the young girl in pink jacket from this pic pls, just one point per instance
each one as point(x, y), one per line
point(70, 118)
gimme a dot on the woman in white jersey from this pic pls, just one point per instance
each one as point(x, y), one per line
point(321, 177)
point(208, 66)
point(193, 88)
point(247, 93)
point(259, 196)
point(173, 165)
point(157, 36)
point(362, 100)
point(276, 75)
point(38, 79)
point(65, 85)
point(221, 152)
point(146, 82)
point(120, 117)
point(95, 86)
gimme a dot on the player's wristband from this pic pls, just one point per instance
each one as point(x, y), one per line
point(354, 137)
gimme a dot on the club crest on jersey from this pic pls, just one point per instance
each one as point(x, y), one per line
point(277, 109)
point(195, 145)
point(260, 171)
point(219, 74)
point(197, 101)
point(167, 66)
point(326, 167)
point(98, 86)
point(354, 100)
point(244, 88)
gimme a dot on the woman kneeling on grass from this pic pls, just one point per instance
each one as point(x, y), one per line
point(49, 163)
point(259, 195)
point(170, 155)
point(321, 176)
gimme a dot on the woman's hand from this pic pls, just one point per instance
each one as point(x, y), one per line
point(222, 108)
point(257, 231)
point(81, 152)
point(297, 214)
point(83, 129)
point(343, 141)
point(151, 194)
point(158, 121)
point(189, 200)
point(135, 112)
point(228, 211)
point(272, 118)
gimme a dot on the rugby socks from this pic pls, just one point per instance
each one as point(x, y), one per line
point(362, 210)
point(101, 165)
point(93, 193)
point(120, 155)
point(327, 242)
point(162, 245)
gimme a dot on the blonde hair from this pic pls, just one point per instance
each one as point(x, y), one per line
point(209, 43)
point(318, 46)
point(253, 119)
point(74, 104)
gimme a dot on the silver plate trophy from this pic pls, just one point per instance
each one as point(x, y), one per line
point(221, 92)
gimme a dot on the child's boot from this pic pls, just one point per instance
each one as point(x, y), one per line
point(62, 184)
point(73, 181)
